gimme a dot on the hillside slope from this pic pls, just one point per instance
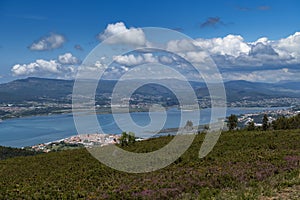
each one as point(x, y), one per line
point(243, 165)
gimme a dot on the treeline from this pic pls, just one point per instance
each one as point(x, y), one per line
point(284, 123)
point(10, 152)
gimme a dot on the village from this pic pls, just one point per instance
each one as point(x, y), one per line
point(77, 141)
point(245, 119)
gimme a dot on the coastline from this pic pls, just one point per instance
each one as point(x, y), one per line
point(58, 127)
point(68, 111)
point(108, 111)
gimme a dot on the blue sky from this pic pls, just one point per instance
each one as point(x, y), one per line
point(77, 23)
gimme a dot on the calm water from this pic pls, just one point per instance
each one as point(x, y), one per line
point(40, 129)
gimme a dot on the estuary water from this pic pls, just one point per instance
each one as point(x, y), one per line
point(29, 131)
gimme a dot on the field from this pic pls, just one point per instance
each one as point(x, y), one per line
point(243, 165)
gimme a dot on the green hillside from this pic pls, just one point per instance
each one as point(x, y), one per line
point(243, 165)
point(9, 152)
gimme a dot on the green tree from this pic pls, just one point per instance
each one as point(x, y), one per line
point(232, 122)
point(131, 138)
point(265, 123)
point(286, 122)
point(280, 123)
point(124, 139)
point(127, 138)
point(251, 126)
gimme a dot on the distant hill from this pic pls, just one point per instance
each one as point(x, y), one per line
point(39, 89)
point(240, 90)
point(35, 89)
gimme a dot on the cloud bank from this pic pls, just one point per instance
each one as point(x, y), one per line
point(63, 67)
point(262, 60)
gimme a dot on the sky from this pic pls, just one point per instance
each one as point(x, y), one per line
point(255, 40)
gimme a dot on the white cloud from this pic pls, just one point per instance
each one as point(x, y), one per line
point(43, 68)
point(129, 59)
point(263, 40)
point(165, 59)
point(99, 66)
point(149, 58)
point(68, 59)
point(49, 42)
point(118, 34)
point(238, 60)
point(181, 45)
point(195, 56)
point(262, 60)
point(35, 67)
point(132, 60)
point(290, 44)
point(270, 76)
point(232, 45)
point(51, 66)
point(233, 51)
point(289, 47)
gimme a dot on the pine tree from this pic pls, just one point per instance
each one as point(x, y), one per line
point(232, 122)
point(251, 126)
point(265, 124)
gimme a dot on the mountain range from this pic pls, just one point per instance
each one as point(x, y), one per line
point(39, 89)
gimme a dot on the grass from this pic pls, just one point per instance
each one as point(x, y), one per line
point(243, 165)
